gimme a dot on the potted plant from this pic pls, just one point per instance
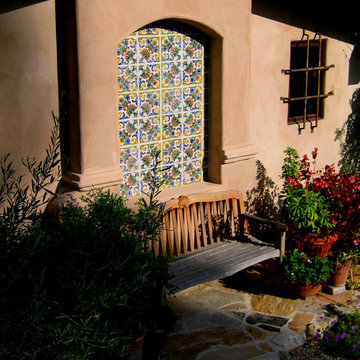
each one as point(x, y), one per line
point(322, 209)
point(306, 211)
point(343, 191)
point(342, 264)
point(305, 275)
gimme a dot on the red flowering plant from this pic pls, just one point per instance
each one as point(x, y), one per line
point(306, 210)
point(340, 192)
point(343, 192)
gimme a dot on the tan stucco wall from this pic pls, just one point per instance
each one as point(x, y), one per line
point(28, 80)
point(248, 120)
point(270, 52)
point(102, 25)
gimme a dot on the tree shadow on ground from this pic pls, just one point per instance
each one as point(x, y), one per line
point(263, 278)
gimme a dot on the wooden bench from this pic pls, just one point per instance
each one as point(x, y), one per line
point(207, 235)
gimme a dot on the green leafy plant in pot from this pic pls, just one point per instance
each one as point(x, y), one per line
point(306, 211)
point(305, 275)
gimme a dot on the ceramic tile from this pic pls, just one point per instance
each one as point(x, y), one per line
point(149, 129)
point(161, 95)
point(192, 148)
point(171, 74)
point(193, 72)
point(148, 49)
point(171, 48)
point(193, 123)
point(193, 98)
point(192, 48)
point(172, 101)
point(127, 52)
point(128, 106)
point(127, 78)
point(149, 76)
point(129, 160)
point(172, 152)
point(148, 31)
point(149, 103)
point(145, 181)
point(192, 172)
point(130, 184)
point(173, 177)
point(172, 126)
point(128, 132)
point(147, 155)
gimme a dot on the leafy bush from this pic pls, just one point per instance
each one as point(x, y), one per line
point(307, 210)
point(84, 286)
point(322, 199)
point(300, 269)
point(342, 339)
point(19, 201)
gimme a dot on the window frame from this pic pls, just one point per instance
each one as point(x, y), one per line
point(310, 91)
point(319, 69)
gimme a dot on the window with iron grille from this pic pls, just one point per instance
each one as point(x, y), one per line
point(307, 82)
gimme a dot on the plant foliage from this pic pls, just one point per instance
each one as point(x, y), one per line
point(300, 269)
point(342, 338)
point(306, 209)
point(80, 287)
point(20, 201)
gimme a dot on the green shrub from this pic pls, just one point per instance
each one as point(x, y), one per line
point(84, 286)
point(300, 269)
point(304, 209)
point(21, 201)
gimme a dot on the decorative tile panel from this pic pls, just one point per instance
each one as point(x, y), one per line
point(162, 105)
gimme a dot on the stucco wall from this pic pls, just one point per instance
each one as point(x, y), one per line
point(270, 52)
point(28, 80)
point(248, 120)
point(102, 25)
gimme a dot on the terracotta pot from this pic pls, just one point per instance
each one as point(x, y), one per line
point(304, 291)
point(318, 245)
point(340, 275)
point(136, 349)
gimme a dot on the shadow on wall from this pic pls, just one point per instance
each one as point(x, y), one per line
point(339, 22)
point(263, 200)
point(354, 66)
point(349, 136)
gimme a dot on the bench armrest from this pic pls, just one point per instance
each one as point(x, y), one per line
point(277, 224)
point(281, 227)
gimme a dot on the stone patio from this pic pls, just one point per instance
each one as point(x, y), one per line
point(248, 316)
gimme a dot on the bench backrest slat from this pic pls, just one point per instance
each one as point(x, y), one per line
point(196, 221)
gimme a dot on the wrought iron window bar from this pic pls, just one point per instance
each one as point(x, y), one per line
point(306, 97)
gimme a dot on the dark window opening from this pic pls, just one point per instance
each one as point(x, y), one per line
point(306, 82)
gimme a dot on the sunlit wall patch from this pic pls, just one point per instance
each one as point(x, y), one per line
point(162, 105)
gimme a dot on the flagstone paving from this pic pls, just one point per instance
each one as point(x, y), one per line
point(215, 321)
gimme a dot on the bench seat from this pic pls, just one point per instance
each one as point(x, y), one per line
point(217, 262)
point(207, 234)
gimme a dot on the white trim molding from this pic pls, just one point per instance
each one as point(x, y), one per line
point(101, 177)
point(238, 153)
